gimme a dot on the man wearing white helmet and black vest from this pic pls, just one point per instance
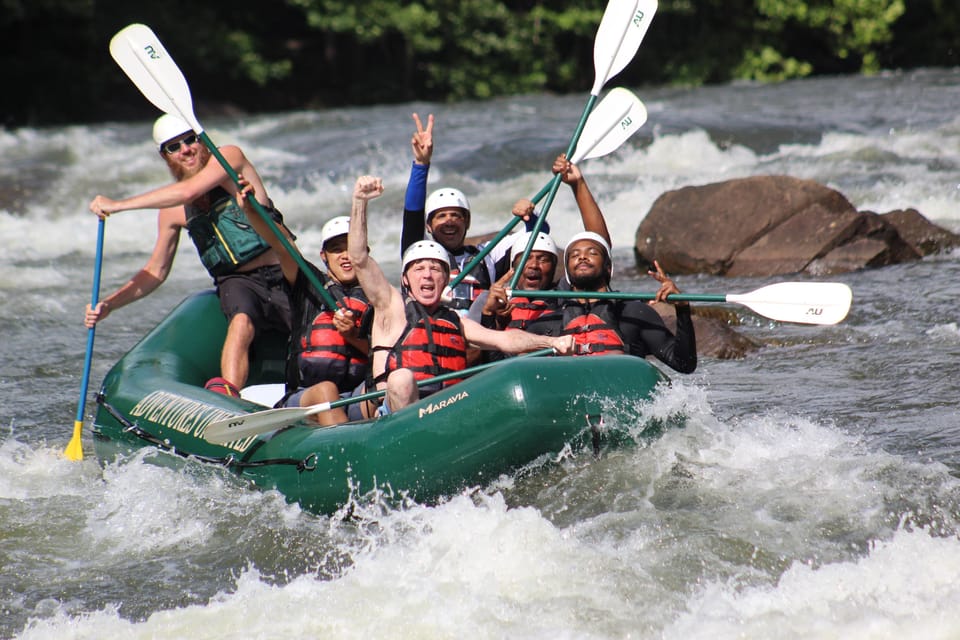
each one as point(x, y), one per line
point(415, 336)
point(615, 326)
point(446, 215)
point(542, 269)
point(246, 270)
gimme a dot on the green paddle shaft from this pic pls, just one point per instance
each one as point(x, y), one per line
point(615, 295)
point(615, 119)
point(822, 303)
point(245, 426)
point(453, 375)
point(554, 186)
point(139, 53)
point(294, 253)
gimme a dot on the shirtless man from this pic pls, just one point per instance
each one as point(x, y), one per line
point(417, 337)
point(245, 269)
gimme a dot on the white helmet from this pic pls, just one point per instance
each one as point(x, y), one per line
point(595, 237)
point(168, 127)
point(447, 197)
point(542, 243)
point(339, 226)
point(425, 249)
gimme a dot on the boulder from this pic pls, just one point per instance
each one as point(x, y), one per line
point(925, 237)
point(776, 225)
point(715, 338)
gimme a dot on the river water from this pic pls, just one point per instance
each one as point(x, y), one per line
point(814, 492)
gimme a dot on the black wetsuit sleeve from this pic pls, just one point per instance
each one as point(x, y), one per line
point(645, 334)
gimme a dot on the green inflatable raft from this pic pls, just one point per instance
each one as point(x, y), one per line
point(491, 423)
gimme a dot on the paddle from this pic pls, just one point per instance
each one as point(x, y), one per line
point(74, 450)
point(621, 31)
point(146, 62)
point(801, 302)
point(618, 116)
point(244, 426)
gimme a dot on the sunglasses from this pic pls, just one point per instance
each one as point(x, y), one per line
point(172, 147)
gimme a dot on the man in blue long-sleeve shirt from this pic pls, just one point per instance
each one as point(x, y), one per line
point(446, 215)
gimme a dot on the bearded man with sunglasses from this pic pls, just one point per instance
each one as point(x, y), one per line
point(246, 270)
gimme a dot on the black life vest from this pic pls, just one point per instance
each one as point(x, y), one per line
point(222, 234)
point(430, 345)
point(473, 284)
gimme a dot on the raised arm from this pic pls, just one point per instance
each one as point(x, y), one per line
point(374, 282)
point(590, 211)
point(414, 227)
point(185, 191)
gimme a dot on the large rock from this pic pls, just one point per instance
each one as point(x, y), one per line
point(773, 225)
point(715, 338)
point(925, 237)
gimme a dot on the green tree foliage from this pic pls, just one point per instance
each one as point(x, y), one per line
point(452, 49)
point(285, 54)
point(847, 30)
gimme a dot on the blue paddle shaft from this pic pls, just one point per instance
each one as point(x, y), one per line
point(91, 332)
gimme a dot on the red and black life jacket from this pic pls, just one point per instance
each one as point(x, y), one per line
point(524, 310)
point(593, 327)
point(430, 345)
point(322, 354)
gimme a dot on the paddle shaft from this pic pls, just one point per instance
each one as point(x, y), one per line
point(74, 451)
point(91, 332)
point(549, 188)
point(622, 28)
point(274, 227)
point(453, 375)
point(820, 303)
point(616, 295)
point(489, 246)
point(244, 426)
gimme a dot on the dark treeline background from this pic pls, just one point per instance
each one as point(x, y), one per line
point(275, 55)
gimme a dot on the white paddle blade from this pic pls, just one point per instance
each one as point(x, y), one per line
point(802, 302)
point(253, 424)
point(611, 123)
point(142, 56)
point(622, 28)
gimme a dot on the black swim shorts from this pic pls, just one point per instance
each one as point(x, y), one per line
point(262, 294)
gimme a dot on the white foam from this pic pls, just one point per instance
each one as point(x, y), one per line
point(905, 587)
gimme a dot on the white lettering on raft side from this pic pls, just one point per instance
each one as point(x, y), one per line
point(443, 404)
point(184, 415)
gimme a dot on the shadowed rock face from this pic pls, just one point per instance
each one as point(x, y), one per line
point(775, 225)
point(715, 338)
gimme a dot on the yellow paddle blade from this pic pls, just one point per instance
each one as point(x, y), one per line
point(74, 450)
